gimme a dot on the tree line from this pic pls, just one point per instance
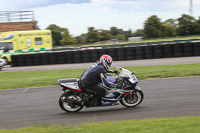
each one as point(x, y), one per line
point(153, 28)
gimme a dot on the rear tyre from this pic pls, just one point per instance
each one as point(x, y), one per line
point(68, 107)
point(133, 100)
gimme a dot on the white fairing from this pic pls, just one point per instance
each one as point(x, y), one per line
point(72, 85)
point(138, 88)
point(133, 79)
point(127, 73)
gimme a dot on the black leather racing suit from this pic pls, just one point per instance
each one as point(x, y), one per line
point(90, 79)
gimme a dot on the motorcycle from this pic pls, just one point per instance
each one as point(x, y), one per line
point(127, 92)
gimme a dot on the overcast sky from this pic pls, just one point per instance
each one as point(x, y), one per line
point(78, 15)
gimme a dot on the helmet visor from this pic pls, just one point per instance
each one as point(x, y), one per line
point(109, 64)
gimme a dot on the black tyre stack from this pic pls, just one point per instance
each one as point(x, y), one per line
point(113, 53)
point(61, 58)
point(158, 51)
point(53, 57)
point(78, 57)
point(139, 52)
point(168, 50)
point(21, 60)
point(45, 58)
point(37, 60)
point(121, 54)
point(103, 51)
point(178, 50)
point(94, 55)
point(130, 53)
point(196, 49)
point(148, 52)
point(86, 56)
point(187, 49)
point(14, 61)
point(69, 55)
point(29, 60)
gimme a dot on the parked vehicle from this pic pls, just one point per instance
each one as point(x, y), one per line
point(2, 63)
point(128, 93)
point(19, 42)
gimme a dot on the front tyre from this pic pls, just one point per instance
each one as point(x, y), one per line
point(68, 107)
point(133, 100)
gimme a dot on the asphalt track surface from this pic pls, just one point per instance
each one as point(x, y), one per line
point(39, 106)
point(149, 62)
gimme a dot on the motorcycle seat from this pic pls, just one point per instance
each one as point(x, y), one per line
point(67, 80)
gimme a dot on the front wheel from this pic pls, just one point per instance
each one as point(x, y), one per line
point(68, 107)
point(133, 100)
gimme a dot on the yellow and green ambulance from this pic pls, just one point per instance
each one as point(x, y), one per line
point(19, 42)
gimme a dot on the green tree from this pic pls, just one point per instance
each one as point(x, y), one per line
point(152, 27)
point(67, 38)
point(186, 25)
point(172, 22)
point(105, 35)
point(121, 37)
point(56, 33)
point(139, 32)
point(115, 31)
point(127, 34)
point(80, 40)
point(167, 31)
point(196, 26)
point(92, 35)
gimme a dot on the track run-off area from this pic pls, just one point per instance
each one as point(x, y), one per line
point(167, 97)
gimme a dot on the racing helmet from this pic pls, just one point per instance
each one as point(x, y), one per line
point(106, 61)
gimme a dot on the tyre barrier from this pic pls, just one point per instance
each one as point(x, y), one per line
point(94, 55)
point(158, 51)
point(139, 53)
point(148, 52)
point(196, 48)
point(113, 53)
point(86, 55)
point(168, 50)
point(118, 54)
point(121, 54)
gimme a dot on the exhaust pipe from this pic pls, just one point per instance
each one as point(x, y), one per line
point(71, 101)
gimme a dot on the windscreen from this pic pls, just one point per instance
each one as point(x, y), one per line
point(125, 73)
point(6, 46)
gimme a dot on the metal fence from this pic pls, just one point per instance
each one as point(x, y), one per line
point(16, 16)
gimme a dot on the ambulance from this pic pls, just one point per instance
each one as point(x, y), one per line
point(22, 42)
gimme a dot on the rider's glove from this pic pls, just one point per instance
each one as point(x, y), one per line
point(116, 71)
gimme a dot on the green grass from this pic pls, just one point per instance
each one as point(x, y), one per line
point(13, 80)
point(154, 125)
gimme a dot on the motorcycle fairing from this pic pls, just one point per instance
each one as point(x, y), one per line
point(70, 83)
point(111, 78)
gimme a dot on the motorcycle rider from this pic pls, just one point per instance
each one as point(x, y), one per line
point(90, 79)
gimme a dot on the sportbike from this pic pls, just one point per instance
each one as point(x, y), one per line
point(127, 92)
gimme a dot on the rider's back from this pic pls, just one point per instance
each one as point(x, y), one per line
point(92, 75)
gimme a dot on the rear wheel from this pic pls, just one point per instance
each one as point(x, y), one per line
point(133, 100)
point(68, 107)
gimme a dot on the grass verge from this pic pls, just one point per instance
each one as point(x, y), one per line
point(13, 80)
point(188, 124)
